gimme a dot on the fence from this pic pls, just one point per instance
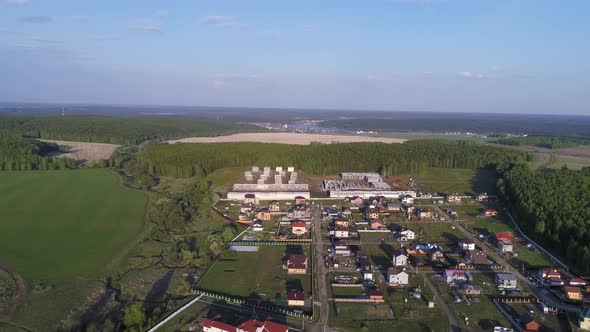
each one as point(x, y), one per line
point(255, 304)
point(270, 243)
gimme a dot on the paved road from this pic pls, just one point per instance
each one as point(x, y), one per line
point(491, 251)
point(320, 271)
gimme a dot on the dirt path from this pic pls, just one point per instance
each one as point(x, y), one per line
point(21, 290)
point(287, 138)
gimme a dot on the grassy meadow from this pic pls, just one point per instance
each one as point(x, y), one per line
point(56, 226)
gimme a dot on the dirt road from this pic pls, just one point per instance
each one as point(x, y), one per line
point(287, 138)
point(320, 271)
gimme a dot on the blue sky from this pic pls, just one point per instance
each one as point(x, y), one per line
point(412, 55)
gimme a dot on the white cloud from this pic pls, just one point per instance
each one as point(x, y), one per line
point(161, 13)
point(36, 19)
point(222, 21)
point(15, 2)
point(148, 24)
point(476, 75)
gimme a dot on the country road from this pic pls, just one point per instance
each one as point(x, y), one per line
point(320, 271)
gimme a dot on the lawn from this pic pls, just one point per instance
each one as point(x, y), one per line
point(256, 274)
point(60, 225)
point(449, 180)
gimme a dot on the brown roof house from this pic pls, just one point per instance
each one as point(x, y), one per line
point(297, 264)
point(296, 299)
point(477, 257)
point(529, 323)
point(298, 227)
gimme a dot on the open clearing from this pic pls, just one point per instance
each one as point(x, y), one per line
point(287, 138)
point(84, 151)
point(60, 225)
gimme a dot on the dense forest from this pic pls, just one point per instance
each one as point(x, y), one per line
point(553, 207)
point(115, 130)
point(549, 142)
point(186, 160)
point(18, 154)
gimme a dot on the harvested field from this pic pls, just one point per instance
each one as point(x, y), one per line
point(84, 151)
point(287, 138)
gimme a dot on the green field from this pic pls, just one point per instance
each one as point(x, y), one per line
point(450, 180)
point(256, 274)
point(60, 225)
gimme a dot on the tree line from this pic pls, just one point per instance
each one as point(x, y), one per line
point(553, 207)
point(549, 142)
point(18, 154)
point(188, 160)
point(104, 129)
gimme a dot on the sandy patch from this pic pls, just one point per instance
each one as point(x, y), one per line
point(287, 138)
point(84, 151)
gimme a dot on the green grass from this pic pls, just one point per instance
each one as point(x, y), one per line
point(255, 274)
point(348, 291)
point(449, 180)
point(61, 225)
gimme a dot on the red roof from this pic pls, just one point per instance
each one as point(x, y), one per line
point(298, 224)
point(251, 325)
point(270, 326)
point(504, 236)
point(218, 325)
point(296, 296)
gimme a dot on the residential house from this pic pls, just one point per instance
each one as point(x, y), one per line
point(397, 277)
point(372, 213)
point(375, 295)
point(216, 325)
point(490, 212)
point(400, 258)
point(409, 209)
point(529, 323)
point(341, 222)
point(435, 255)
point(505, 247)
point(578, 282)
point(467, 244)
point(274, 206)
point(454, 198)
point(407, 200)
point(298, 227)
point(377, 224)
point(469, 289)
point(569, 293)
point(253, 325)
point(297, 264)
point(296, 299)
point(451, 276)
point(368, 275)
point(364, 263)
point(250, 199)
point(477, 257)
point(506, 281)
point(330, 212)
point(584, 319)
point(246, 207)
point(356, 200)
point(340, 248)
point(405, 234)
point(301, 211)
point(394, 207)
point(263, 214)
point(551, 277)
point(376, 200)
point(424, 214)
point(299, 200)
point(340, 232)
point(257, 226)
point(346, 211)
point(504, 236)
point(482, 197)
point(243, 217)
